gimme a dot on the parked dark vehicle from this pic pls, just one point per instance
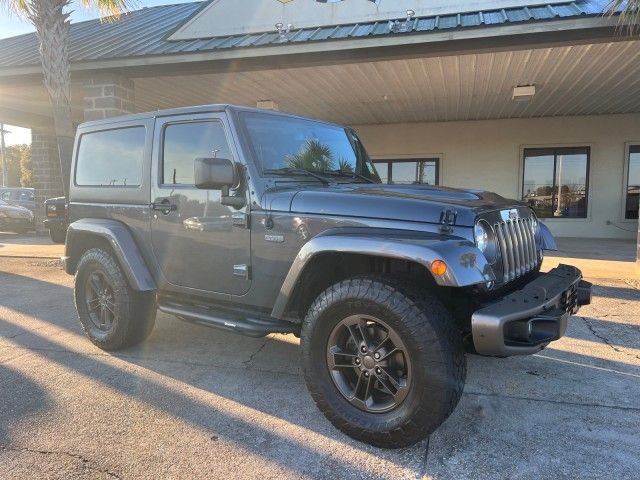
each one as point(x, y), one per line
point(14, 218)
point(261, 222)
point(21, 196)
point(56, 220)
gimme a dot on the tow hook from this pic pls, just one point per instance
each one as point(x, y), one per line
point(584, 293)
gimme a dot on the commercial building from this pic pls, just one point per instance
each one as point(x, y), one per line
point(534, 101)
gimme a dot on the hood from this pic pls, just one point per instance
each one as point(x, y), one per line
point(414, 203)
point(15, 211)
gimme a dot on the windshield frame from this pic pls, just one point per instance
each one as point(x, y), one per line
point(360, 153)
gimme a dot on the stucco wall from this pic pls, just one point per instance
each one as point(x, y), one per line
point(488, 155)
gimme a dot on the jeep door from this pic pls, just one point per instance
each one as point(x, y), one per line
point(198, 242)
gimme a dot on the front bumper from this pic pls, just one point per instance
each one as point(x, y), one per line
point(525, 321)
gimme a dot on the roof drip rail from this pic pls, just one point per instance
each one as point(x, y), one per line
point(398, 26)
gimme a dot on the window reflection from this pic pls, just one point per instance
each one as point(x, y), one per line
point(111, 157)
point(184, 142)
point(633, 184)
point(408, 172)
point(555, 181)
point(281, 142)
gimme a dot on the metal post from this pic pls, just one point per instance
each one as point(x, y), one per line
point(2, 154)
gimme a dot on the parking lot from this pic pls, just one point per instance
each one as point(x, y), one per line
point(193, 402)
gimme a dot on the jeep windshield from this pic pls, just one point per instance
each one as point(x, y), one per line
point(295, 146)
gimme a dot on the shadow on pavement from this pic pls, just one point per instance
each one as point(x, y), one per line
point(243, 385)
point(25, 398)
point(236, 387)
point(621, 293)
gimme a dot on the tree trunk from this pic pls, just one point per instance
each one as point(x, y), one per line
point(52, 27)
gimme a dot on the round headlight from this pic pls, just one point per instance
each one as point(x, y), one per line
point(486, 240)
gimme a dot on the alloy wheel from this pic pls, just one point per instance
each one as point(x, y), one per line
point(368, 363)
point(100, 301)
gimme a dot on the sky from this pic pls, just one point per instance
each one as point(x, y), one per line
point(11, 25)
point(17, 135)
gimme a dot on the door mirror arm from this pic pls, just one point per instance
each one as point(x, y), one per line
point(235, 201)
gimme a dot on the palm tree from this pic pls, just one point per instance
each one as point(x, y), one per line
point(313, 155)
point(51, 21)
point(629, 13)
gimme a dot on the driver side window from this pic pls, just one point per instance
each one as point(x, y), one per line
point(184, 142)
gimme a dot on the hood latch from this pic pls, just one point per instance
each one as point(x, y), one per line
point(447, 220)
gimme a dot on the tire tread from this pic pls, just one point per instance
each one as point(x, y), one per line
point(419, 311)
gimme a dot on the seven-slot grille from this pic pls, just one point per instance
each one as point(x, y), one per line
point(517, 246)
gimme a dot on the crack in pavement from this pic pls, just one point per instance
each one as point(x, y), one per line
point(606, 340)
point(557, 402)
point(87, 463)
point(32, 350)
point(250, 359)
point(633, 284)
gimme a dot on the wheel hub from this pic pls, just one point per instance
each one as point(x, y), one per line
point(368, 362)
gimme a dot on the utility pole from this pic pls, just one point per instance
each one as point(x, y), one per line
point(3, 154)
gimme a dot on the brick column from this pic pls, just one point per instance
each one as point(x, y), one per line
point(108, 95)
point(46, 170)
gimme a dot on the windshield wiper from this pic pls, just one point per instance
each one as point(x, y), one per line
point(350, 174)
point(296, 171)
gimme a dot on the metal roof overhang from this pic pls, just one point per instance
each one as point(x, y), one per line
point(515, 36)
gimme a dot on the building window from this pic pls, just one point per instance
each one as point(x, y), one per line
point(633, 184)
point(411, 171)
point(556, 181)
point(184, 142)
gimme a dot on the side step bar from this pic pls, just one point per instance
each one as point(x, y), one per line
point(251, 327)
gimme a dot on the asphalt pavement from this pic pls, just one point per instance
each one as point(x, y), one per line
point(193, 402)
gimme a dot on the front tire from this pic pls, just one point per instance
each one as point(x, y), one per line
point(382, 360)
point(111, 313)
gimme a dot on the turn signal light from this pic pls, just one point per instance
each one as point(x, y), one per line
point(439, 268)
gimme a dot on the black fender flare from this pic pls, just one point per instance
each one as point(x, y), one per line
point(122, 243)
point(466, 264)
point(547, 242)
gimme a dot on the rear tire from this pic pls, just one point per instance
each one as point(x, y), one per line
point(429, 364)
point(57, 235)
point(111, 313)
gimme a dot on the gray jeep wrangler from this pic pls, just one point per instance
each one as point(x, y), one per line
point(260, 222)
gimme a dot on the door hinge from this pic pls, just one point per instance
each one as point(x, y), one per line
point(240, 219)
point(243, 271)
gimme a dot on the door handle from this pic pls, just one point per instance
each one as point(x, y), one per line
point(164, 206)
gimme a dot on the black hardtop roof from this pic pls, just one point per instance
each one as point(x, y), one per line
point(192, 110)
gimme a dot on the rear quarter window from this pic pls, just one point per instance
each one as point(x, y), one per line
point(111, 158)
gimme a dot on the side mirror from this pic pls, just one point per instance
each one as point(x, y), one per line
point(215, 173)
point(219, 174)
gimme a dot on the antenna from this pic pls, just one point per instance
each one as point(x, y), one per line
point(3, 154)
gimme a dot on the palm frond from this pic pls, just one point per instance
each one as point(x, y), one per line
point(313, 155)
point(629, 14)
point(345, 166)
point(110, 10)
point(16, 7)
